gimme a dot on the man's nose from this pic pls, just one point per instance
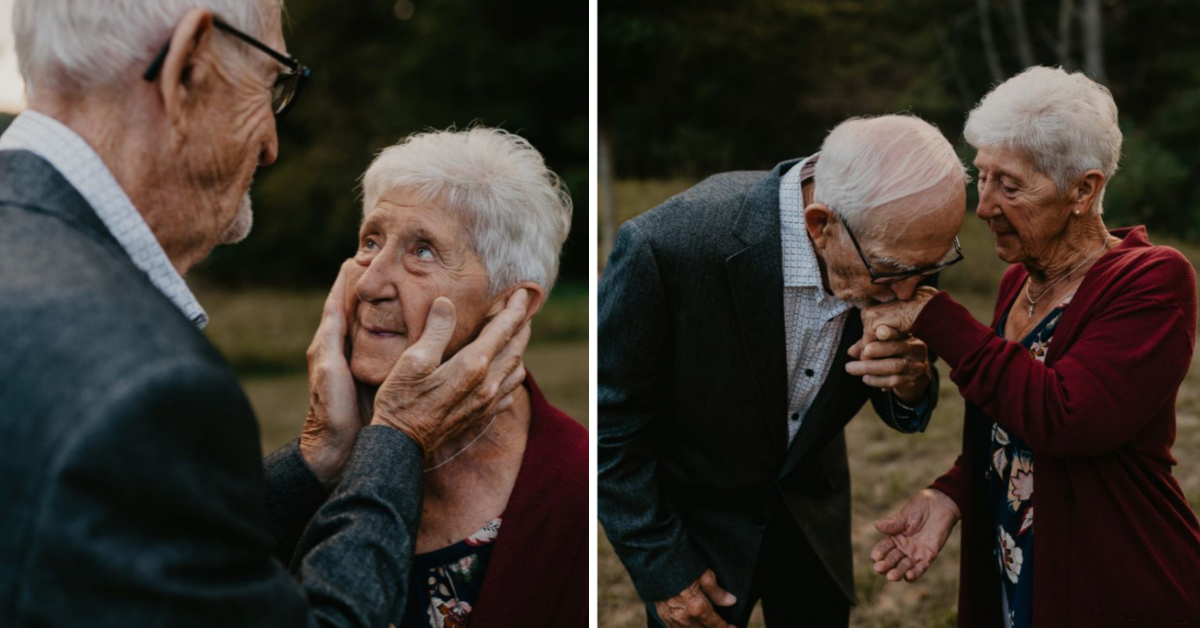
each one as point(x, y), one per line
point(376, 284)
point(904, 290)
point(270, 149)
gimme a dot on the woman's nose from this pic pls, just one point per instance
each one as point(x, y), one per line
point(377, 284)
point(987, 208)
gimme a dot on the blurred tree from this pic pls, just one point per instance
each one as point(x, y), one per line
point(384, 69)
point(689, 89)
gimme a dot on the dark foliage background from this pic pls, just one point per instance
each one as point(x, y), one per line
point(518, 65)
point(689, 89)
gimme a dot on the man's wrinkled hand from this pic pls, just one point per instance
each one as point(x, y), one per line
point(432, 401)
point(892, 361)
point(333, 418)
point(915, 536)
point(693, 607)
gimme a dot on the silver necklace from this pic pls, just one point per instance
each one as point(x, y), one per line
point(1033, 302)
point(468, 445)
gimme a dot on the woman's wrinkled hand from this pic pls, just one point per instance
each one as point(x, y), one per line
point(915, 536)
point(897, 316)
point(333, 418)
point(432, 401)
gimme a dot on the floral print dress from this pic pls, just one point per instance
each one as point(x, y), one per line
point(445, 583)
point(1010, 495)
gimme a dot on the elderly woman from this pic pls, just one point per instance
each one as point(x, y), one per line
point(1076, 377)
point(474, 216)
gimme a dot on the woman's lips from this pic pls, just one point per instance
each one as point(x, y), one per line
point(381, 332)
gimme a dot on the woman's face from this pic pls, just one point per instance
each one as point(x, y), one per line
point(1021, 206)
point(410, 252)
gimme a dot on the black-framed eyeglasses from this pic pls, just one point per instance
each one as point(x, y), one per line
point(287, 85)
point(890, 278)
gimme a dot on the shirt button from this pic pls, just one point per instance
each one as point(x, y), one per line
point(795, 416)
point(808, 372)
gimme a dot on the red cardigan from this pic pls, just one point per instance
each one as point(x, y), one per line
point(1116, 543)
point(538, 571)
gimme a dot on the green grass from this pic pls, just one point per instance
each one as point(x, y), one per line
point(264, 334)
point(887, 468)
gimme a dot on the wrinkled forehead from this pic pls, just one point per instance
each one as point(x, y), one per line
point(918, 233)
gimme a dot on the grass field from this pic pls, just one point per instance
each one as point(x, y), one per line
point(264, 334)
point(887, 467)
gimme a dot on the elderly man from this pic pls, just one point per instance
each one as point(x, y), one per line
point(727, 327)
point(133, 491)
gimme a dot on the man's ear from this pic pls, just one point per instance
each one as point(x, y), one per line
point(537, 297)
point(186, 65)
point(1087, 188)
point(818, 219)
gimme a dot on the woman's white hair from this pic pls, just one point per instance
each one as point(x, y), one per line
point(1066, 124)
point(72, 45)
point(869, 162)
point(515, 210)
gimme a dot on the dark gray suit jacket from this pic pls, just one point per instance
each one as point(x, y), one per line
point(693, 396)
point(131, 480)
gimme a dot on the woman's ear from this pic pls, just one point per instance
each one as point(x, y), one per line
point(818, 219)
point(537, 297)
point(187, 65)
point(1083, 195)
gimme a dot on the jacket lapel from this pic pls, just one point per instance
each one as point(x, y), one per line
point(836, 384)
point(756, 283)
point(29, 181)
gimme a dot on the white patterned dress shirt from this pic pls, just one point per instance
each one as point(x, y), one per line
point(79, 164)
point(812, 319)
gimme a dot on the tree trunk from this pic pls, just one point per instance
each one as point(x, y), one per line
point(1020, 32)
point(608, 213)
point(1093, 41)
point(989, 41)
point(1062, 48)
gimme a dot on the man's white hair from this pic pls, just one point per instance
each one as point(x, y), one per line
point(1066, 124)
point(870, 162)
point(73, 45)
point(515, 210)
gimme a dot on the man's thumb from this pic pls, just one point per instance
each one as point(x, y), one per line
point(714, 592)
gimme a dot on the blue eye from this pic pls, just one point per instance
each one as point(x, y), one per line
point(424, 252)
point(370, 245)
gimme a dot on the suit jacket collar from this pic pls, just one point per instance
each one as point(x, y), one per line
point(29, 181)
point(756, 282)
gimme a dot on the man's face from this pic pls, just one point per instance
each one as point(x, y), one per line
point(234, 133)
point(909, 235)
point(410, 253)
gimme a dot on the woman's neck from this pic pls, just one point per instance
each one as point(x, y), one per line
point(495, 438)
point(1079, 246)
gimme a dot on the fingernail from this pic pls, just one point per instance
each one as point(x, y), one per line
point(522, 297)
point(441, 307)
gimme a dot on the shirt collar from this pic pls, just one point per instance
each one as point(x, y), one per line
point(79, 164)
point(800, 267)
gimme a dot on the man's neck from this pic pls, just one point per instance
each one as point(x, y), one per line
point(118, 137)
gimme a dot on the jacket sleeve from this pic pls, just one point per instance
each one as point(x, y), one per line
point(1128, 359)
point(293, 495)
point(902, 417)
point(154, 516)
point(634, 331)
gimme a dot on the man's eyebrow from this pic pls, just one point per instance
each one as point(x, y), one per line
point(894, 263)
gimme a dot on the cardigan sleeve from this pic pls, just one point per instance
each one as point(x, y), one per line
point(1127, 361)
point(953, 483)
